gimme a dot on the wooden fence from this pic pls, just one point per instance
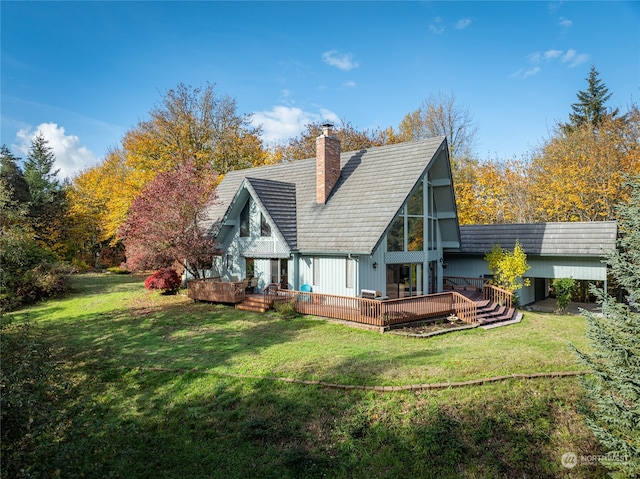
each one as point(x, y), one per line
point(381, 313)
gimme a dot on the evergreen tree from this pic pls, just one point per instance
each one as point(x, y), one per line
point(590, 108)
point(13, 176)
point(40, 175)
point(48, 198)
point(613, 390)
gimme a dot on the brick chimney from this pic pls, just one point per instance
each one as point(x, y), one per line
point(327, 163)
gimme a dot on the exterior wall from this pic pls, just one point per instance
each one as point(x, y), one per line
point(236, 249)
point(328, 274)
point(549, 267)
point(584, 268)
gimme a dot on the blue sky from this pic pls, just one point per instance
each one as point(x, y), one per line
point(83, 73)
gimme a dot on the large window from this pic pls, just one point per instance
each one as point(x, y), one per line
point(245, 224)
point(407, 231)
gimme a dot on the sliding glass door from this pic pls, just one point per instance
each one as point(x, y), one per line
point(404, 280)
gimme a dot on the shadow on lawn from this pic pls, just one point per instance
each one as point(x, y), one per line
point(117, 420)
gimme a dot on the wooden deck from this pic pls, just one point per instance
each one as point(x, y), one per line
point(216, 291)
point(379, 313)
point(475, 302)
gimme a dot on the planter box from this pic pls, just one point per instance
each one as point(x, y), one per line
point(216, 291)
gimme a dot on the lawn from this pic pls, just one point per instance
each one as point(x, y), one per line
point(144, 385)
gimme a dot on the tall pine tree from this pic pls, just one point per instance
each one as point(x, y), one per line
point(613, 390)
point(12, 174)
point(40, 174)
point(590, 109)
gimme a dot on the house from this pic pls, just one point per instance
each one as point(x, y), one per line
point(377, 219)
point(382, 219)
point(554, 250)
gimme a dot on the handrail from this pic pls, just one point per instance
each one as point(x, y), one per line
point(466, 309)
point(497, 295)
point(375, 312)
point(462, 282)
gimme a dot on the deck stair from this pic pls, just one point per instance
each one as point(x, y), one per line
point(257, 303)
point(489, 313)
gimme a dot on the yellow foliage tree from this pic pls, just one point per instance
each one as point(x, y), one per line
point(578, 175)
point(493, 192)
point(188, 124)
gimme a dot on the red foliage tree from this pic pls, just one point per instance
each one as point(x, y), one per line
point(166, 222)
point(164, 279)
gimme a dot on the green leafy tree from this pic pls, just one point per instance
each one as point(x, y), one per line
point(590, 109)
point(508, 267)
point(613, 388)
point(564, 288)
point(28, 271)
point(11, 172)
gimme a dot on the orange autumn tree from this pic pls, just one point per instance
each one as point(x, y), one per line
point(189, 124)
point(493, 192)
point(578, 175)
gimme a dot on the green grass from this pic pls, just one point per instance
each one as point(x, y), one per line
point(120, 414)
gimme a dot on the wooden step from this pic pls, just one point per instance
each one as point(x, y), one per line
point(257, 304)
point(508, 315)
point(498, 311)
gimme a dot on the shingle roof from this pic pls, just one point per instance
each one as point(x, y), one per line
point(567, 239)
point(279, 201)
point(373, 185)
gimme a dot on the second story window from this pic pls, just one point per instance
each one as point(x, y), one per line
point(265, 228)
point(245, 222)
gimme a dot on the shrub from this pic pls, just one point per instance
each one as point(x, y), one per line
point(122, 269)
point(165, 279)
point(285, 309)
point(564, 288)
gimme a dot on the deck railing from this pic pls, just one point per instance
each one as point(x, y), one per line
point(381, 313)
point(497, 295)
point(216, 291)
point(463, 283)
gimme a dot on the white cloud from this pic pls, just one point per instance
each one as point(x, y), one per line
point(552, 54)
point(573, 58)
point(565, 22)
point(349, 84)
point(71, 156)
point(282, 122)
point(342, 62)
point(523, 73)
point(462, 23)
point(437, 27)
point(570, 57)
